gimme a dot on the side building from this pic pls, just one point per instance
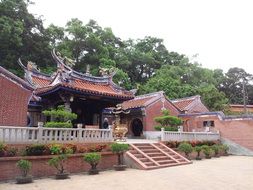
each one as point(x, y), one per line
point(15, 94)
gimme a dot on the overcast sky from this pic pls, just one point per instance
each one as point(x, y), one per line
point(220, 31)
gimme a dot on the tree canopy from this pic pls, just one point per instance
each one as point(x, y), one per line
point(144, 64)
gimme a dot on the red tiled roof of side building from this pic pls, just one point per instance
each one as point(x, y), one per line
point(184, 103)
point(94, 88)
point(136, 103)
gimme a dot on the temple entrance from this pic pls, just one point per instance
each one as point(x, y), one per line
point(137, 127)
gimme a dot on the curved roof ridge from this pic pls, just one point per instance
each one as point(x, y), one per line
point(149, 95)
point(186, 98)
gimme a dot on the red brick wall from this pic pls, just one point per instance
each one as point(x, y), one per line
point(13, 103)
point(239, 131)
point(40, 168)
point(154, 110)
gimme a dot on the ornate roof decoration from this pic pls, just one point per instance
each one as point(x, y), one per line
point(67, 78)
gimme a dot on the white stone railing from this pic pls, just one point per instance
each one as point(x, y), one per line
point(48, 135)
point(189, 136)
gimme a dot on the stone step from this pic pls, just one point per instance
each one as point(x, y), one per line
point(162, 162)
point(150, 150)
point(152, 156)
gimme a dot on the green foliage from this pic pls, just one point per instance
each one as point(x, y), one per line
point(24, 166)
point(52, 124)
point(145, 63)
point(92, 158)
point(60, 114)
point(207, 150)
point(185, 147)
point(168, 122)
point(35, 150)
point(216, 149)
point(224, 148)
point(56, 149)
point(60, 118)
point(198, 149)
point(2, 147)
point(59, 161)
point(159, 128)
point(119, 148)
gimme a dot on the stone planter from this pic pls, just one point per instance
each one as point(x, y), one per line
point(62, 176)
point(93, 171)
point(23, 180)
point(120, 167)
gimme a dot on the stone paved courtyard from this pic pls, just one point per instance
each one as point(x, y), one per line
point(230, 173)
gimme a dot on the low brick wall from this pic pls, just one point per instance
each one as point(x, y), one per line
point(40, 168)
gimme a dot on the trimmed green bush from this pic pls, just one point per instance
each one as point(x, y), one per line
point(207, 151)
point(24, 166)
point(119, 149)
point(216, 149)
point(52, 124)
point(159, 128)
point(168, 122)
point(59, 117)
point(186, 148)
point(198, 149)
point(93, 159)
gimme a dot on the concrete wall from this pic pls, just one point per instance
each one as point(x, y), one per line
point(13, 103)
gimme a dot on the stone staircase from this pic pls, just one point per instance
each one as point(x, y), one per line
point(154, 155)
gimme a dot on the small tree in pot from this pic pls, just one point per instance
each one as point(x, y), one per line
point(119, 149)
point(198, 149)
point(207, 151)
point(216, 149)
point(186, 148)
point(59, 163)
point(93, 159)
point(24, 166)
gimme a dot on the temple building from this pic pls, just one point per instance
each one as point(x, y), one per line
point(82, 93)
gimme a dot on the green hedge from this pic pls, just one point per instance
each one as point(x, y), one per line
point(53, 124)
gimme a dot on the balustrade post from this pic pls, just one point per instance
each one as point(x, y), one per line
point(40, 132)
point(79, 135)
point(162, 134)
point(110, 133)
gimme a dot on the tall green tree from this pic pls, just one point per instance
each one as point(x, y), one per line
point(21, 35)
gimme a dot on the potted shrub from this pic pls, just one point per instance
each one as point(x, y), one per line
point(24, 166)
point(207, 151)
point(58, 162)
point(93, 159)
point(119, 149)
point(186, 148)
point(225, 149)
point(216, 150)
point(198, 149)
